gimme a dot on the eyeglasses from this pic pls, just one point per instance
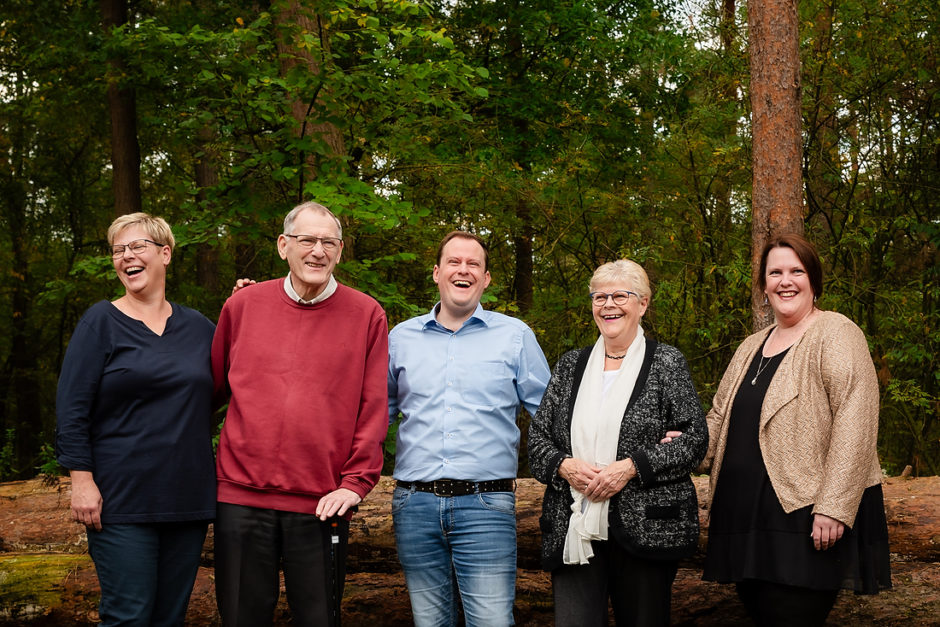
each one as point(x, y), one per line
point(309, 242)
point(620, 297)
point(137, 246)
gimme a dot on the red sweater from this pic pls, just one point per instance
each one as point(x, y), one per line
point(308, 402)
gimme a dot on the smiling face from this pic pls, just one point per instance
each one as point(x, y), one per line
point(461, 277)
point(787, 286)
point(143, 272)
point(310, 270)
point(618, 323)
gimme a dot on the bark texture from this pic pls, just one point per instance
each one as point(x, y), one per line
point(122, 104)
point(777, 199)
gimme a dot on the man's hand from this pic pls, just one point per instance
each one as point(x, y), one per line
point(241, 283)
point(336, 503)
point(826, 531)
point(86, 499)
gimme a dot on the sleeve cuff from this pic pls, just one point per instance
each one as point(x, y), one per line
point(644, 471)
point(556, 480)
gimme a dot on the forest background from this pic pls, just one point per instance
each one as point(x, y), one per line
point(566, 133)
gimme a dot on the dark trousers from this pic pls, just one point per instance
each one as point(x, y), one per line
point(252, 545)
point(777, 605)
point(640, 590)
point(146, 571)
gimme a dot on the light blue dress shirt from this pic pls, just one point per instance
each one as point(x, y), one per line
point(459, 395)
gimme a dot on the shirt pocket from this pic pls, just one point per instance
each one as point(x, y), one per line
point(487, 383)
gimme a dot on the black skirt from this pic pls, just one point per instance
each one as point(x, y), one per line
point(751, 537)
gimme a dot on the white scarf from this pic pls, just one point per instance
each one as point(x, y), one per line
point(595, 431)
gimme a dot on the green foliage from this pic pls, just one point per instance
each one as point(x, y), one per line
point(564, 133)
point(7, 456)
point(48, 465)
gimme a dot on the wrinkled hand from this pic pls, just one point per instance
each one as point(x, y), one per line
point(578, 473)
point(611, 480)
point(670, 436)
point(86, 500)
point(242, 283)
point(337, 502)
point(826, 531)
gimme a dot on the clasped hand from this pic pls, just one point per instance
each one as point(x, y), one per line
point(594, 482)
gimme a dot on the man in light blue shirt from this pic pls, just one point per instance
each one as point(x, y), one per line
point(458, 376)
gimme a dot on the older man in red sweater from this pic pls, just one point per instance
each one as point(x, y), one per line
point(303, 363)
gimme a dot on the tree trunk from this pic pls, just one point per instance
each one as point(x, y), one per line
point(20, 405)
point(296, 21)
point(207, 257)
point(522, 287)
point(721, 224)
point(823, 161)
point(125, 151)
point(775, 120)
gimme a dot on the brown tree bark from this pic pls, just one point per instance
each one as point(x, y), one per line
point(297, 20)
point(122, 104)
point(777, 199)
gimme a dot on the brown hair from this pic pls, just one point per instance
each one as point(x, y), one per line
point(807, 254)
point(465, 235)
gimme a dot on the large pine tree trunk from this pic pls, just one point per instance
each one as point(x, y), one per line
point(775, 120)
point(125, 151)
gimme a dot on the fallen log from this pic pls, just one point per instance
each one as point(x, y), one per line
point(47, 577)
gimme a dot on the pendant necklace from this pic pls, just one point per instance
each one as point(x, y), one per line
point(760, 368)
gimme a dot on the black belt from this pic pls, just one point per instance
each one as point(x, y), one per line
point(456, 487)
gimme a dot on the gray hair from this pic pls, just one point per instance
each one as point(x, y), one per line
point(626, 271)
point(309, 206)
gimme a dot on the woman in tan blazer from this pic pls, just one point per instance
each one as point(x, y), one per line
point(797, 511)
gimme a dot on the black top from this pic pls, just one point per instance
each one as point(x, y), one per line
point(750, 536)
point(134, 408)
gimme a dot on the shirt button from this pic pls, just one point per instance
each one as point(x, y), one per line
point(446, 461)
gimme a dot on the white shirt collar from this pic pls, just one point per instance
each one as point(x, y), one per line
point(322, 296)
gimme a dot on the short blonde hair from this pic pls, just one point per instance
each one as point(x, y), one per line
point(157, 228)
point(626, 271)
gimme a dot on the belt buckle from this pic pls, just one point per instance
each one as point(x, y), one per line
point(442, 491)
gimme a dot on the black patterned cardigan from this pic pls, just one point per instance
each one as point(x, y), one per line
point(655, 516)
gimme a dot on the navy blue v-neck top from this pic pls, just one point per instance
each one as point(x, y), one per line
point(134, 408)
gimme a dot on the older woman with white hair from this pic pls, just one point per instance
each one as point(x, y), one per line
point(620, 509)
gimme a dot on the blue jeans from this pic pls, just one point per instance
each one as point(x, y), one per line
point(460, 544)
point(146, 570)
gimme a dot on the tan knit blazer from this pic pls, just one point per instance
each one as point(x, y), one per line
point(819, 421)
